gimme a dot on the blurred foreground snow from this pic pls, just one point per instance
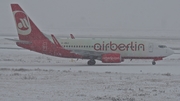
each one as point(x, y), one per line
point(55, 85)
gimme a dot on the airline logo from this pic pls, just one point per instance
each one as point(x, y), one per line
point(133, 46)
point(22, 23)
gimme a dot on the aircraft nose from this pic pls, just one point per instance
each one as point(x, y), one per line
point(170, 51)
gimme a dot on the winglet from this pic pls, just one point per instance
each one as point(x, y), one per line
point(72, 36)
point(55, 41)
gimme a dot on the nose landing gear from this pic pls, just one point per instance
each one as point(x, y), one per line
point(156, 59)
point(153, 62)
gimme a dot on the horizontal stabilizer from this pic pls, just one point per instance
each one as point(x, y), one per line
point(19, 41)
point(9, 48)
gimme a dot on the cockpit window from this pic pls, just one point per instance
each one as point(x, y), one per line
point(162, 46)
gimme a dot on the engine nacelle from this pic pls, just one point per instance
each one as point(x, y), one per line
point(111, 58)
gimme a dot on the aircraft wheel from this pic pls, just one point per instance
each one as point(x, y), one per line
point(91, 62)
point(154, 63)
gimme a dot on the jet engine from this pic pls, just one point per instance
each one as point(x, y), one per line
point(111, 58)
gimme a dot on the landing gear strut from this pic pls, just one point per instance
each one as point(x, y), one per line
point(91, 62)
point(153, 62)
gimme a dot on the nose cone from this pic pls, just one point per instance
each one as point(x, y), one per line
point(169, 52)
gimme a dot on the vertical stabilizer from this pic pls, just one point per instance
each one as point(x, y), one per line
point(26, 29)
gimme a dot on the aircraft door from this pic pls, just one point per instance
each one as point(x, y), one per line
point(150, 47)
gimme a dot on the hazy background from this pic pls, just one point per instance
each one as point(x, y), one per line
point(91, 17)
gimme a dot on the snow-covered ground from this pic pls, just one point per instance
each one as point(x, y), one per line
point(27, 76)
point(55, 85)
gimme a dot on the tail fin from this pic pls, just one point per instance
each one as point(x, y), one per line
point(26, 29)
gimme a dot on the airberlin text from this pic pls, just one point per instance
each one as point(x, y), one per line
point(132, 46)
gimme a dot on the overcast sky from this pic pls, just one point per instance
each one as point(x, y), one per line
point(117, 14)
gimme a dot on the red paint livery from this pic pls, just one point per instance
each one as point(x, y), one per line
point(39, 43)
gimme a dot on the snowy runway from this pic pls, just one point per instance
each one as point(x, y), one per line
point(12, 58)
point(55, 85)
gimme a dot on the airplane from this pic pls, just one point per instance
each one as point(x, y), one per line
point(105, 50)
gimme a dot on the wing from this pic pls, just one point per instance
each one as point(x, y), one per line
point(86, 53)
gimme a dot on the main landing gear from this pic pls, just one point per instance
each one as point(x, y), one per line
point(91, 62)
